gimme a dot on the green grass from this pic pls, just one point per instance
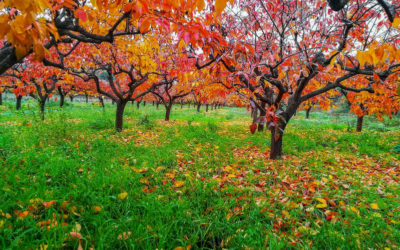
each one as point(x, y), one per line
point(201, 180)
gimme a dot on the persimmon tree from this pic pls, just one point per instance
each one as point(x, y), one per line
point(284, 53)
point(36, 80)
point(36, 26)
point(385, 101)
point(121, 72)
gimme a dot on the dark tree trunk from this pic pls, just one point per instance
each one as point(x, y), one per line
point(189, 104)
point(138, 104)
point(101, 101)
point(119, 116)
point(87, 98)
point(133, 103)
point(1, 98)
point(254, 114)
point(360, 120)
point(62, 100)
point(276, 144)
point(181, 104)
point(262, 113)
point(71, 97)
point(42, 104)
point(308, 112)
point(153, 103)
point(19, 101)
point(198, 107)
point(144, 103)
point(206, 107)
point(113, 102)
point(158, 104)
point(167, 112)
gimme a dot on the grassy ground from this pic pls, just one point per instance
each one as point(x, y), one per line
point(200, 181)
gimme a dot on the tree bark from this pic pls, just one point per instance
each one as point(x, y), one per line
point(360, 120)
point(153, 103)
point(144, 103)
point(308, 112)
point(87, 98)
point(119, 116)
point(42, 104)
point(167, 112)
point(276, 144)
point(262, 113)
point(19, 101)
point(137, 104)
point(71, 97)
point(1, 98)
point(158, 104)
point(198, 107)
point(254, 114)
point(207, 107)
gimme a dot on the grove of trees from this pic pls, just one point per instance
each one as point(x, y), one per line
point(275, 57)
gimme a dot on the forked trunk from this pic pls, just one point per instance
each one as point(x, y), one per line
point(360, 120)
point(119, 116)
point(19, 101)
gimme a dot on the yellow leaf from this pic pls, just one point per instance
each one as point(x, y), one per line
point(374, 206)
point(355, 210)
point(323, 205)
point(220, 6)
point(123, 195)
point(179, 184)
point(396, 22)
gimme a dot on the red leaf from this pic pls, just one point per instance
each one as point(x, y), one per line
point(81, 15)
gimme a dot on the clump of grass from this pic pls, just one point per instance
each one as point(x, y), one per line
point(146, 122)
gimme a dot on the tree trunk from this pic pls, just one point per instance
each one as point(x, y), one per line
point(153, 103)
point(119, 116)
point(276, 144)
point(41, 104)
point(112, 102)
point(198, 107)
point(1, 98)
point(71, 97)
point(101, 101)
point(360, 120)
point(189, 104)
point(181, 104)
point(87, 98)
point(207, 107)
point(19, 101)
point(138, 104)
point(254, 114)
point(308, 112)
point(144, 103)
point(262, 113)
point(158, 104)
point(167, 112)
